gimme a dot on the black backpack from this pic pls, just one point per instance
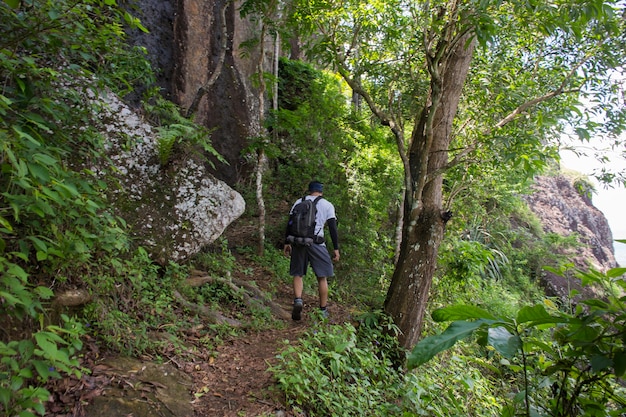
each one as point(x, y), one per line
point(302, 219)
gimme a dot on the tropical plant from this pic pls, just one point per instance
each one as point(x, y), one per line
point(175, 129)
point(569, 364)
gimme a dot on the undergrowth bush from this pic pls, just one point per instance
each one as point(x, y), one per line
point(222, 293)
point(133, 300)
point(55, 227)
point(348, 370)
point(29, 363)
point(461, 383)
point(341, 370)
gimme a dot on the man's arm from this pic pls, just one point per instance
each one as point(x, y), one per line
point(334, 236)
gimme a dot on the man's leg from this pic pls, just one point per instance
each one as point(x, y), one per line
point(297, 269)
point(297, 286)
point(297, 293)
point(322, 285)
point(323, 267)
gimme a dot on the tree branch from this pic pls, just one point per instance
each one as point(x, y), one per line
point(558, 91)
point(460, 157)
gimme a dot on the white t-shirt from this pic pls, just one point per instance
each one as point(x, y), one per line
point(325, 211)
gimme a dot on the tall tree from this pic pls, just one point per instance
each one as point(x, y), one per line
point(270, 19)
point(421, 67)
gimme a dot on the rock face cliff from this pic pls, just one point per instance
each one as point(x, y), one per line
point(196, 47)
point(564, 211)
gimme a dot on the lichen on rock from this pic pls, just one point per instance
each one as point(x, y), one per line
point(174, 210)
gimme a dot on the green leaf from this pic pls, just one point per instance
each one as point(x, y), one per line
point(45, 159)
point(461, 312)
point(583, 333)
point(619, 363)
point(506, 343)
point(537, 312)
point(5, 396)
point(591, 277)
point(596, 303)
point(38, 406)
point(615, 272)
point(37, 120)
point(39, 244)
point(18, 272)
point(14, 4)
point(53, 14)
point(427, 348)
point(7, 227)
point(42, 368)
point(39, 172)
point(600, 363)
point(10, 299)
point(538, 315)
point(44, 292)
point(67, 190)
point(45, 343)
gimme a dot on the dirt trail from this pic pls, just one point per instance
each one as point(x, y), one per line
point(230, 380)
point(237, 382)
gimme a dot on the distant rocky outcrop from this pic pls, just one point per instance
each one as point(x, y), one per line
point(173, 210)
point(564, 211)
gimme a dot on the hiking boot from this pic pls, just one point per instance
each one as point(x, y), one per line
point(297, 309)
point(324, 312)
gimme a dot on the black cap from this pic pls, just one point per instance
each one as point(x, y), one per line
point(316, 186)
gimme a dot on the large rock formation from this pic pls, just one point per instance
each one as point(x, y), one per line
point(564, 211)
point(173, 210)
point(196, 44)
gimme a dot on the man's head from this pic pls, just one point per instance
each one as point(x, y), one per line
point(316, 186)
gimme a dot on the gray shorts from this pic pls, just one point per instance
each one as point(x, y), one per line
point(316, 255)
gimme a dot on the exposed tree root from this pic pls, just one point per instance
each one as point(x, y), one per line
point(252, 295)
point(214, 316)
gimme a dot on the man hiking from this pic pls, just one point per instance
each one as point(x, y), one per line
point(305, 243)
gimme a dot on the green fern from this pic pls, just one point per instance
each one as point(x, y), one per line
point(168, 137)
point(174, 129)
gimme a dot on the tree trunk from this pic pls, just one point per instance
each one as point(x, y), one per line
point(424, 220)
point(261, 157)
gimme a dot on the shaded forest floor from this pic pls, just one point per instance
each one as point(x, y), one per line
point(238, 380)
point(230, 379)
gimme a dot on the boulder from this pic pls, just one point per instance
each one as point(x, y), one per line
point(140, 389)
point(174, 210)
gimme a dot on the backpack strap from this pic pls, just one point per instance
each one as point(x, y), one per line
point(318, 198)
